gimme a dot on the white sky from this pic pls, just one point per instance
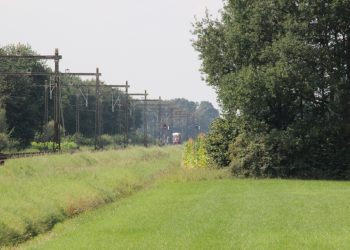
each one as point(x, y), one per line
point(146, 42)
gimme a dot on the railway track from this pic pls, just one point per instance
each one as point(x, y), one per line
point(4, 157)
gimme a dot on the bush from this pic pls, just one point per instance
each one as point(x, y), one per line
point(3, 123)
point(221, 134)
point(69, 145)
point(195, 154)
point(250, 157)
point(44, 146)
point(106, 140)
point(136, 138)
point(292, 153)
point(4, 141)
point(188, 158)
point(47, 134)
point(50, 146)
point(118, 139)
point(201, 153)
point(81, 140)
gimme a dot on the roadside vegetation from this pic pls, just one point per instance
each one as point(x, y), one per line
point(36, 193)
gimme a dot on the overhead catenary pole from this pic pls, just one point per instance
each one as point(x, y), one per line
point(171, 122)
point(159, 120)
point(46, 105)
point(77, 114)
point(134, 117)
point(145, 141)
point(126, 114)
point(187, 122)
point(100, 120)
point(97, 109)
point(57, 135)
point(62, 124)
point(144, 111)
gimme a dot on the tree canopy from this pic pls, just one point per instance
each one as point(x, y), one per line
point(282, 73)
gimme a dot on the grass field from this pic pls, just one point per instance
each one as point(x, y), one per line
point(36, 193)
point(205, 210)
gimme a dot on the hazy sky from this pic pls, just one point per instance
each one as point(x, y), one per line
point(146, 42)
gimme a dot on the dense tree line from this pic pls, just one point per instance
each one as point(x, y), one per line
point(22, 118)
point(281, 69)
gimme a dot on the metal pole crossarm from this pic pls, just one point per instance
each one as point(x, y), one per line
point(26, 74)
point(151, 106)
point(93, 85)
point(136, 94)
point(145, 139)
point(46, 74)
point(178, 116)
point(117, 85)
point(80, 74)
point(181, 113)
point(40, 57)
point(148, 100)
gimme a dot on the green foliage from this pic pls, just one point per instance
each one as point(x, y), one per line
point(4, 141)
point(3, 123)
point(195, 154)
point(22, 97)
point(47, 134)
point(51, 146)
point(79, 139)
point(250, 157)
point(220, 135)
point(204, 115)
point(202, 159)
point(69, 145)
point(44, 146)
point(106, 140)
point(282, 69)
point(136, 138)
point(188, 157)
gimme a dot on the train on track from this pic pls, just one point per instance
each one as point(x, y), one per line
point(176, 138)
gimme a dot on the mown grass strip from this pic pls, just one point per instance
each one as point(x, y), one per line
point(37, 193)
point(191, 210)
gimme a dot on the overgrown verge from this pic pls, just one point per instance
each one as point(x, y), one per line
point(39, 192)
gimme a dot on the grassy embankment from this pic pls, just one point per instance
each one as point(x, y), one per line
point(196, 210)
point(36, 193)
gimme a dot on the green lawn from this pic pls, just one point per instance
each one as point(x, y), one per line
point(194, 213)
point(36, 193)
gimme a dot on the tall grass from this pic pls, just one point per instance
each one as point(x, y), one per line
point(36, 193)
